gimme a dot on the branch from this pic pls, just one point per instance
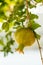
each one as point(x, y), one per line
point(40, 51)
point(27, 12)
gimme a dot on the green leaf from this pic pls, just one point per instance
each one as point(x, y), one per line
point(33, 16)
point(16, 23)
point(1, 42)
point(7, 47)
point(38, 1)
point(33, 25)
point(2, 15)
point(1, 0)
point(5, 26)
point(31, 5)
point(11, 42)
point(37, 35)
point(17, 27)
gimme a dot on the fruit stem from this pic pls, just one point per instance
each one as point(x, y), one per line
point(40, 51)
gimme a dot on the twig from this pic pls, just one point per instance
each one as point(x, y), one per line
point(27, 12)
point(40, 51)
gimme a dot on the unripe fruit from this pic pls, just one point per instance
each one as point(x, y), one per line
point(24, 37)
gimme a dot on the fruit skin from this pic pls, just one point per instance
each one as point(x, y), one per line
point(24, 37)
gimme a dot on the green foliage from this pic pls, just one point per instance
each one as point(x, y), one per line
point(38, 1)
point(16, 23)
point(1, 42)
point(33, 16)
point(31, 5)
point(5, 26)
point(33, 25)
point(37, 36)
point(1, 0)
point(7, 47)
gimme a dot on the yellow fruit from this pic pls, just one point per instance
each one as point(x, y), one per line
point(24, 37)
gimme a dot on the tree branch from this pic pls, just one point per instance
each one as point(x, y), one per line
point(27, 12)
point(40, 51)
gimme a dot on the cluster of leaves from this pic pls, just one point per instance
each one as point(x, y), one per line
point(15, 18)
point(7, 46)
